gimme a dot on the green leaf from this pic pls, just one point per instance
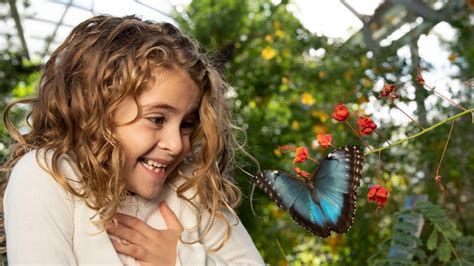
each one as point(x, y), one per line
point(444, 251)
point(432, 242)
point(420, 254)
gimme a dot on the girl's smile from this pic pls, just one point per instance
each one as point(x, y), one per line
point(156, 167)
point(159, 139)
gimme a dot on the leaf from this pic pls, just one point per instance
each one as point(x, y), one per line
point(436, 215)
point(420, 254)
point(432, 242)
point(444, 251)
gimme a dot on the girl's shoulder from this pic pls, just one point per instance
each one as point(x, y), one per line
point(36, 165)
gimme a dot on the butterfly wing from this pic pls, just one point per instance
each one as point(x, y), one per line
point(293, 195)
point(335, 186)
point(325, 203)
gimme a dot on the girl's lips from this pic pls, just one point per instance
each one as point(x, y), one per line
point(157, 173)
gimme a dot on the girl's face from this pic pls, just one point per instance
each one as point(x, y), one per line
point(159, 139)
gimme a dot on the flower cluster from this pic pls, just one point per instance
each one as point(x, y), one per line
point(301, 155)
point(366, 125)
point(324, 140)
point(341, 113)
point(378, 194)
point(389, 91)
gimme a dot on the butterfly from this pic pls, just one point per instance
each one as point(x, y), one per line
point(324, 202)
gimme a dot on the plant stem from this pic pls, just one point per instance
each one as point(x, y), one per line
point(444, 97)
point(445, 147)
point(380, 135)
point(411, 118)
point(358, 135)
point(446, 238)
point(421, 132)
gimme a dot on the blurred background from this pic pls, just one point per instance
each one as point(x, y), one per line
point(289, 63)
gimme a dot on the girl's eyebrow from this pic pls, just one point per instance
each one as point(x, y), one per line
point(152, 106)
point(158, 106)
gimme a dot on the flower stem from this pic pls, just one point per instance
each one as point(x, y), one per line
point(444, 97)
point(358, 135)
point(437, 176)
point(380, 135)
point(379, 168)
point(421, 132)
point(411, 118)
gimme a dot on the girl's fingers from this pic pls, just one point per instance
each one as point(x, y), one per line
point(128, 234)
point(170, 218)
point(132, 223)
point(129, 249)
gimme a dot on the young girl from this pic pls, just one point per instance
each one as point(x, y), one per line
point(127, 157)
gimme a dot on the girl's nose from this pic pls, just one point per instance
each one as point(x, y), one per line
point(170, 140)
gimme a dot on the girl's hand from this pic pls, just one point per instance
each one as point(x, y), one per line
point(144, 243)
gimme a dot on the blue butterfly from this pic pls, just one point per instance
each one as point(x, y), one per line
point(324, 202)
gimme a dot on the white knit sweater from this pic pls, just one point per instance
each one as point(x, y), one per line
point(45, 224)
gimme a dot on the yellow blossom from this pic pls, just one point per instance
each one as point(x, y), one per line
point(348, 74)
point(452, 57)
point(277, 152)
point(276, 24)
point(268, 53)
point(367, 83)
point(320, 115)
point(268, 38)
point(319, 129)
point(284, 80)
point(362, 100)
point(307, 99)
point(279, 33)
point(322, 74)
point(295, 125)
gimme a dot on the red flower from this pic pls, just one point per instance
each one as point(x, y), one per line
point(379, 194)
point(366, 125)
point(419, 77)
point(324, 140)
point(341, 113)
point(388, 90)
point(302, 173)
point(301, 155)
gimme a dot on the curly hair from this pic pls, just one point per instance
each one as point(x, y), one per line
point(104, 60)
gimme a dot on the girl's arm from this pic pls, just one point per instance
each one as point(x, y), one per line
point(38, 217)
point(238, 249)
point(152, 246)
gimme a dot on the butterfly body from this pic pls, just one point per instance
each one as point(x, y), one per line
point(324, 202)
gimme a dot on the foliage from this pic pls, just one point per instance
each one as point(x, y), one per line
point(443, 243)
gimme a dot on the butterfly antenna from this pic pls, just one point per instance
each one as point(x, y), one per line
point(251, 202)
point(251, 192)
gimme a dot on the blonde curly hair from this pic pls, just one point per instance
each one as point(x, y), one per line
point(104, 60)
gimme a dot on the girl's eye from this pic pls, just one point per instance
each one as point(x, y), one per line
point(158, 120)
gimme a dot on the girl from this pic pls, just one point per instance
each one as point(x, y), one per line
point(127, 157)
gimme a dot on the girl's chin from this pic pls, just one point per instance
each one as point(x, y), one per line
point(148, 195)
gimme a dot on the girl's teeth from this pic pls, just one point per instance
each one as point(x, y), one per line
point(153, 165)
